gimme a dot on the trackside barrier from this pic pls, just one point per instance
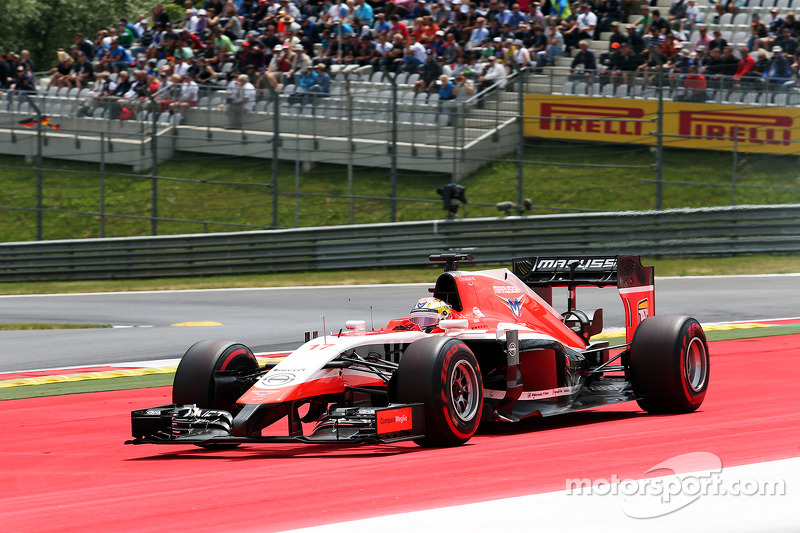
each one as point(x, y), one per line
point(717, 230)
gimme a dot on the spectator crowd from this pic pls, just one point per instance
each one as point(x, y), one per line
point(255, 48)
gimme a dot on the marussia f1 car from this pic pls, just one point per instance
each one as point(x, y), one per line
point(485, 346)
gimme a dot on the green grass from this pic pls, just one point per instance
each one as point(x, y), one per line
point(230, 193)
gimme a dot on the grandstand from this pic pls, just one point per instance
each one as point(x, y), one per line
point(366, 112)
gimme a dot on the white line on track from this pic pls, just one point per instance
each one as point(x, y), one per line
point(238, 289)
point(555, 512)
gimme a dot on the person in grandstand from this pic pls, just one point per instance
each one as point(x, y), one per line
point(82, 72)
point(554, 49)
point(676, 13)
point(242, 100)
point(188, 96)
point(695, 86)
point(717, 41)
point(704, 38)
point(622, 65)
point(116, 58)
point(779, 70)
point(608, 12)
point(786, 41)
point(430, 74)
point(634, 39)
point(322, 85)
point(746, 72)
point(303, 82)
point(678, 66)
point(22, 85)
point(652, 64)
point(584, 64)
point(414, 55)
point(494, 75)
point(59, 75)
point(727, 69)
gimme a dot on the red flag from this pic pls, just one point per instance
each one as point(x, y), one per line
point(28, 122)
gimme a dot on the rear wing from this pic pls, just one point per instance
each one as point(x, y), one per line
point(636, 283)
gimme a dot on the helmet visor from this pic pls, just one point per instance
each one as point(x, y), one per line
point(424, 317)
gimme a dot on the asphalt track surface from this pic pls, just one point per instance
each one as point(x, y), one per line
point(64, 467)
point(276, 319)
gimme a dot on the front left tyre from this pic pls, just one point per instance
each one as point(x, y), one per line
point(443, 374)
point(194, 381)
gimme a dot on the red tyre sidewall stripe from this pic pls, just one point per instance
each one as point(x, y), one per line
point(693, 397)
point(448, 416)
point(231, 356)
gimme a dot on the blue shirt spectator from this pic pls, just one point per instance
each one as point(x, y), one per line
point(381, 25)
point(447, 90)
point(323, 85)
point(363, 12)
point(307, 80)
point(479, 34)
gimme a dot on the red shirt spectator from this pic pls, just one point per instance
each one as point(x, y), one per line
point(746, 64)
point(398, 26)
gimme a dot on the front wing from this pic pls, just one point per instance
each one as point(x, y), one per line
point(189, 424)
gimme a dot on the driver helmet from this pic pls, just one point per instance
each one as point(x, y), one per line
point(427, 312)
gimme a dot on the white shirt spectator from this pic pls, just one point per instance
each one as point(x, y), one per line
point(190, 24)
point(182, 68)
point(418, 51)
point(246, 95)
point(692, 14)
point(383, 48)
point(586, 20)
point(522, 56)
point(496, 73)
point(189, 91)
point(140, 24)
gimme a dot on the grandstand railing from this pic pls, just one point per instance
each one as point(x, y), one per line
point(719, 230)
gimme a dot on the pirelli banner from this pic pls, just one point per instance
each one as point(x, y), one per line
point(774, 130)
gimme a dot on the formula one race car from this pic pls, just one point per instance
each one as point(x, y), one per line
point(485, 346)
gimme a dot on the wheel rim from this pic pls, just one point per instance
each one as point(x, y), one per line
point(464, 390)
point(696, 365)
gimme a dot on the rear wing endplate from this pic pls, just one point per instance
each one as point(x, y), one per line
point(636, 283)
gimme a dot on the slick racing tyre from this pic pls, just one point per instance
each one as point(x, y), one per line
point(194, 379)
point(443, 374)
point(669, 364)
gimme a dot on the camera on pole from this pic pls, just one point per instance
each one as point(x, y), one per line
point(453, 196)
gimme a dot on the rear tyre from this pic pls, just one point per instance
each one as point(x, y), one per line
point(669, 364)
point(443, 374)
